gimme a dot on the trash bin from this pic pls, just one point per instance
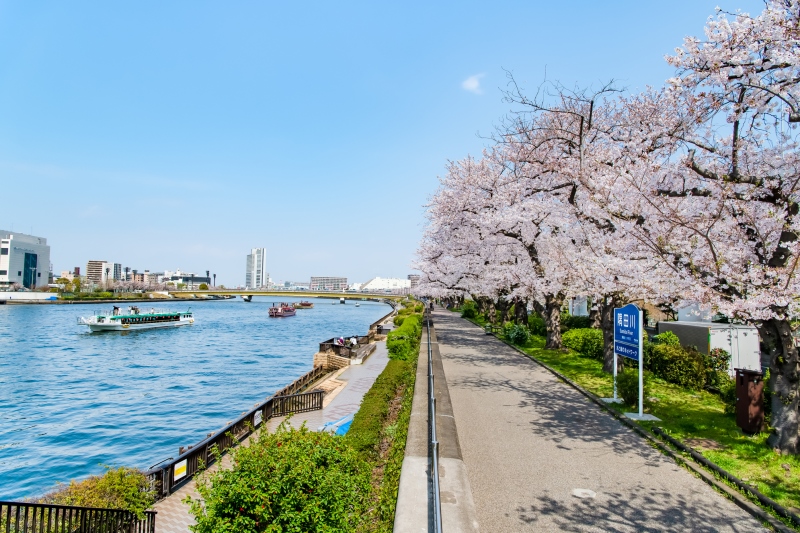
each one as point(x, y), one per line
point(749, 400)
point(379, 329)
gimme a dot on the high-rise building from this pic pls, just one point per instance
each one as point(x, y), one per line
point(95, 272)
point(24, 259)
point(414, 279)
point(327, 283)
point(256, 276)
point(117, 275)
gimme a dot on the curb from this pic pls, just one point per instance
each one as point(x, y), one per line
point(738, 498)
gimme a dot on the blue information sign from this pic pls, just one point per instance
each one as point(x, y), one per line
point(627, 331)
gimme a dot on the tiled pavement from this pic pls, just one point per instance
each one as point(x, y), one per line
point(173, 515)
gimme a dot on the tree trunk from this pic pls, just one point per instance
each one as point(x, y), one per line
point(521, 311)
point(538, 308)
point(503, 306)
point(607, 306)
point(595, 315)
point(491, 313)
point(552, 318)
point(784, 382)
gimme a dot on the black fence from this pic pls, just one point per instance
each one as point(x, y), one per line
point(173, 473)
point(19, 517)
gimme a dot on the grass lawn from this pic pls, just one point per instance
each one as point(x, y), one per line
point(695, 417)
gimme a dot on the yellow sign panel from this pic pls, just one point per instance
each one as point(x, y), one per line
point(180, 470)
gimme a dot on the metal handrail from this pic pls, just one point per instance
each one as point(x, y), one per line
point(434, 443)
point(27, 517)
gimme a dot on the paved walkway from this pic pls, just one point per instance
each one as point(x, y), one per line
point(173, 515)
point(531, 444)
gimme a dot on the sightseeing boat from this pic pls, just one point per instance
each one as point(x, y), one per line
point(303, 305)
point(134, 318)
point(278, 311)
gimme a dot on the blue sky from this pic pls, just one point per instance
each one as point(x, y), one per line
point(182, 134)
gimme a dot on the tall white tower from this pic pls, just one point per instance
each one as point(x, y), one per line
point(256, 276)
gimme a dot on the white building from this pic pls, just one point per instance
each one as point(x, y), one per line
point(24, 259)
point(256, 276)
point(379, 284)
point(327, 283)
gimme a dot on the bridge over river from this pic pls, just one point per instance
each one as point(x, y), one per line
point(290, 294)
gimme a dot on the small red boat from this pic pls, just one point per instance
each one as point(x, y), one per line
point(282, 310)
point(305, 304)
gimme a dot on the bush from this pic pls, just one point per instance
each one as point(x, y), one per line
point(628, 386)
point(403, 342)
point(536, 325)
point(517, 334)
point(716, 364)
point(121, 488)
point(585, 341)
point(727, 392)
point(469, 311)
point(291, 480)
point(668, 338)
point(398, 320)
point(575, 322)
point(203, 287)
point(678, 365)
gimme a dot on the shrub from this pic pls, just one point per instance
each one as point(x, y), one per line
point(203, 287)
point(585, 341)
point(575, 322)
point(517, 334)
point(121, 488)
point(668, 338)
point(290, 480)
point(727, 392)
point(678, 365)
point(536, 325)
point(398, 320)
point(403, 342)
point(628, 386)
point(469, 311)
point(716, 364)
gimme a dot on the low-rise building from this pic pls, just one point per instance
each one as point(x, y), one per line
point(24, 259)
point(379, 284)
point(327, 283)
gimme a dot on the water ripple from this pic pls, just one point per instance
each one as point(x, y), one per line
point(71, 401)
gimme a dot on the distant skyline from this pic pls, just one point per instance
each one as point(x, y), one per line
point(182, 135)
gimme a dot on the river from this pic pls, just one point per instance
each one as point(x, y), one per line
point(72, 401)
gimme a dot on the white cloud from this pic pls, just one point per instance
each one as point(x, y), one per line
point(473, 84)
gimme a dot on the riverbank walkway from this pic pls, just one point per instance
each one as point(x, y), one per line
point(344, 391)
point(540, 456)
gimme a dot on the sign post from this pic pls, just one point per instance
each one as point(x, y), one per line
point(628, 343)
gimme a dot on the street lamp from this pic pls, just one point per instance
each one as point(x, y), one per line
point(215, 280)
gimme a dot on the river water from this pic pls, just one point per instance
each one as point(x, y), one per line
point(72, 401)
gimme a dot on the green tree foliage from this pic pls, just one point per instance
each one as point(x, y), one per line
point(293, 480)
point(121, 488)
point(585, 341)
point(203, 287)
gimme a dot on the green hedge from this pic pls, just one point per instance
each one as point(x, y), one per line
point(585, 341)
point(569, 322)
point(403, 342)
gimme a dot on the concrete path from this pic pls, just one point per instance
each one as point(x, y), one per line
point(173, 515)
point(540, 456)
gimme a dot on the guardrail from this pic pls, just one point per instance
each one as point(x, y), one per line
point(433, 443)
point(174, 472)
point(21, 517)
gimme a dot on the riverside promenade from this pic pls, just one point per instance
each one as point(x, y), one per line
point(344, 391)
point(539, 456)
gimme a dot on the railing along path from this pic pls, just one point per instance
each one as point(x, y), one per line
point(433, 444)
point(21, 517)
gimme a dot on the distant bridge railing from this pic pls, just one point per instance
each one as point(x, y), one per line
point(173, 473)
point(21, 517)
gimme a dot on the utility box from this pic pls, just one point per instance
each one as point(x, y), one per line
point(741, 341)
point(749, 401)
